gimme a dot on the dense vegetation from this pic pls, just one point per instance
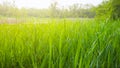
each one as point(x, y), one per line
point(109, 9)
point(60, 44)
point(81, 36)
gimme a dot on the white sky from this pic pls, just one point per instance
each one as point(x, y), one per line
point(46, 3)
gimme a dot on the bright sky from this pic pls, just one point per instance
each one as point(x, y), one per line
point(46, 3)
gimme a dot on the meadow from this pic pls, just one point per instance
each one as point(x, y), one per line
point(60, 43)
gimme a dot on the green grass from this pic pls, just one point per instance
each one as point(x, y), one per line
point(61, 44)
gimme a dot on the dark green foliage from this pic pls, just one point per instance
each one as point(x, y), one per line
point(115, 9)
point(109, 9)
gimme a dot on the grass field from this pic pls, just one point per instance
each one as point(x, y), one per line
point(61, 44)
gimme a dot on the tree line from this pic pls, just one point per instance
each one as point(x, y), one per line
point(73, 11)
point(107, 9)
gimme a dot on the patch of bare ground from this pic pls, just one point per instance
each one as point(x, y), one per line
point(11, 21)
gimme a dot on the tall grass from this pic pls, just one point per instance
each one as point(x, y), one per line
point(60, 44)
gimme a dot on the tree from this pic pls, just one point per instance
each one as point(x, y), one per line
point(108, 9)
point(53, 10)
point(115, 9)
point(103, 10)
